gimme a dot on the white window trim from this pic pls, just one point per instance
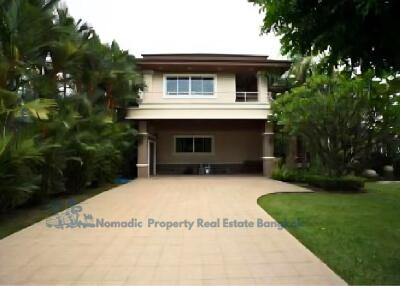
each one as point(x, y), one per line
point(183, 96)
point(194, 153)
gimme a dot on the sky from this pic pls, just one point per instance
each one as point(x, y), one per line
point(178, 26)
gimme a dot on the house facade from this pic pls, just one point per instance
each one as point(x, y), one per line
point(205, 114)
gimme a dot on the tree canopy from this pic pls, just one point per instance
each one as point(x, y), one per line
point(355, 32)
point(343, 120)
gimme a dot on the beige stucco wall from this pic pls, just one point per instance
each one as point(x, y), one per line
point(234, 142)
point(225, 89)
point(171, 111)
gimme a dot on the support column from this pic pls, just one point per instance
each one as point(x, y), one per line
point(291, 155)
point(143, 151)
point(268, 149)
point(262, 87)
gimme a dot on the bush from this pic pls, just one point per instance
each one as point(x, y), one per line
point(76, 176)
point(378, 161)
point(19, 179)
point(396, 166)
point(288, 175)
point(106, 164)
point(281, 174)
point(346, 183)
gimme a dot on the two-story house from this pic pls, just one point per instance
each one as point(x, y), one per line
point(205, 114)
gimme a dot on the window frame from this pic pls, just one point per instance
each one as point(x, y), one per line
point(194, 152)
point(190, 95)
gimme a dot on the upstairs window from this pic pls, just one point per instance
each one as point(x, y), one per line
point(190, 85)
point(178, 85)
point(202, 85)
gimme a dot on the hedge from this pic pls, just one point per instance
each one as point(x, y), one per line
point(347, 183)
point(344, 183)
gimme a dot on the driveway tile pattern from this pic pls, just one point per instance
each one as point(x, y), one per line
point(39, 255)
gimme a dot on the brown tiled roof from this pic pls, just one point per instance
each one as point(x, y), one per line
point(219, 62)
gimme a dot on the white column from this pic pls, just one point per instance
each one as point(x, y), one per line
point(143, 150)
point(268, 149)
point(262, 87)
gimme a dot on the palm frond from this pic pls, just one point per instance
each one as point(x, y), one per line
point(40, 108)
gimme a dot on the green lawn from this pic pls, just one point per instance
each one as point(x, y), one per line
point(357, 235)
point(20, 218)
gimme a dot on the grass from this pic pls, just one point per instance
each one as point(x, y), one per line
point(357, 235)
point(22, 217)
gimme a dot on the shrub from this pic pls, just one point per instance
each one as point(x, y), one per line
point(76, 176)
point(106, 163)
point(345, 183)
point(288, 175)
point(19, 161)
point(378, 161)
point(396, 166)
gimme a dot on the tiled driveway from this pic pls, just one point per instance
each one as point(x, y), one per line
point(40, 255)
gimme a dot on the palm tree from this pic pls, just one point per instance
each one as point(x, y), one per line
point(25, 28)
point(58, 85)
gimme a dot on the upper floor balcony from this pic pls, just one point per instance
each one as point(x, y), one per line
point(247, 96)
point(197, 88)
point(222, 97)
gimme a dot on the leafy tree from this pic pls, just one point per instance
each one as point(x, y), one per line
point(25, 27)
point(59, 89)
point(356, 32)
point(342, 119)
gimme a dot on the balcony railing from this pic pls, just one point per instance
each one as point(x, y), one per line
point(246, 96)
point(223, 97)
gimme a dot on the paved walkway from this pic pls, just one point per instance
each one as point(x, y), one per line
point(39, 255)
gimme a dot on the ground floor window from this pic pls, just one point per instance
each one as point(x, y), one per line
point(193, 144)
